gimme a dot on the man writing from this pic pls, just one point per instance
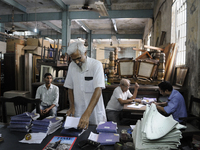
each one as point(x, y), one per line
point(49, 94)
point(85, 80)
point(121, 95)
point(175, 104)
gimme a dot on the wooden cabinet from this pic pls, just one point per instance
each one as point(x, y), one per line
point(9, 73)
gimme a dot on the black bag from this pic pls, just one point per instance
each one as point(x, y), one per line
point(90, 145)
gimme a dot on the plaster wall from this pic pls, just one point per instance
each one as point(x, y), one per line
point(148, 31)
point(193, 50)
point(162, 21)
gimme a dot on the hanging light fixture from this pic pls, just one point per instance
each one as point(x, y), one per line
point(111, 43)
point(111, 35)
point(35, 30)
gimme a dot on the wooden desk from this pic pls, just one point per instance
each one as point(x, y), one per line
point(130, 115)
point(143, 91)
point(134, 111)
point(11, 139)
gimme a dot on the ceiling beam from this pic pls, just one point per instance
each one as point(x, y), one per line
point(98, 36)
point(51, 25)
point(60, 4)
point(15, 4)
point(114, 24)
point(83, 26)
point(23, 26)
point(144, 13)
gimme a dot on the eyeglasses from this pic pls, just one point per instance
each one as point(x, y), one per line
point(77, 59)
point(127, 86)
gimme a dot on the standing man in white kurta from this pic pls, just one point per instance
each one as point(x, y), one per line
point(85, 80)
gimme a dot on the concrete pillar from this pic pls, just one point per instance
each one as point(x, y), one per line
point(89, 40)
point(66, 31)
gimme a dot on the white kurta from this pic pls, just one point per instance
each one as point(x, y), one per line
point(113, 103)
point(83, 84)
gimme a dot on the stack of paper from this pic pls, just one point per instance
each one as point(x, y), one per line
point(156, 131)
point(70, 127)
point(36, 138)
point(22, 122)
point(147, 100)
point(107, 134)
point(48, 125)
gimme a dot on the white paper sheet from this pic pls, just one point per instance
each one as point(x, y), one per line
point(132, 126)
point(71, 122)
point(136, 106)
point(36, 138)
point(93, 137)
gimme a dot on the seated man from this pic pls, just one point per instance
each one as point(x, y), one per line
point(175, 104)
point(121, 95)
point(49, 94)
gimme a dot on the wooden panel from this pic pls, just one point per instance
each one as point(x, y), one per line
point(171, 63)
point(9, 71)
point(28, 71)
point(35, 69)
point(19, 67)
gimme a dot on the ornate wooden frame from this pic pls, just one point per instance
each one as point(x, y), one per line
point(123, 68)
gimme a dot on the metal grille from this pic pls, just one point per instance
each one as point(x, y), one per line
point(181, 13)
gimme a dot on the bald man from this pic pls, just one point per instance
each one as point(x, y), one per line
point(121, 95)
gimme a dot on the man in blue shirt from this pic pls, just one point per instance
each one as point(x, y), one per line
point(175, 104)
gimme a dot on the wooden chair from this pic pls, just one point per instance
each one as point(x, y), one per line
point(20, 105)
point(191, 118)
point(192, 122)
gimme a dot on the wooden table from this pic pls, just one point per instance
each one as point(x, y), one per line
point(134, 110)
point(131, 115)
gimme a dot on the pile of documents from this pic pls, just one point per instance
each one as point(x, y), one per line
point(147, 100)
point(70, 127)
point(155, 131)
point(48, 125)
point(107, 134)
point(22, 122)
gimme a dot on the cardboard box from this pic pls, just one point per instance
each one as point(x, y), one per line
point(33, 49)
point(56, 46)
point(37, 42)
point(46, 43)
point(32, 42)
point(10, 44)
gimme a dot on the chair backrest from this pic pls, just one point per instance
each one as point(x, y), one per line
point(193, 100)
point(20, 105)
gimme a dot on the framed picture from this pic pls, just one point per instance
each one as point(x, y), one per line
point(181, 73)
